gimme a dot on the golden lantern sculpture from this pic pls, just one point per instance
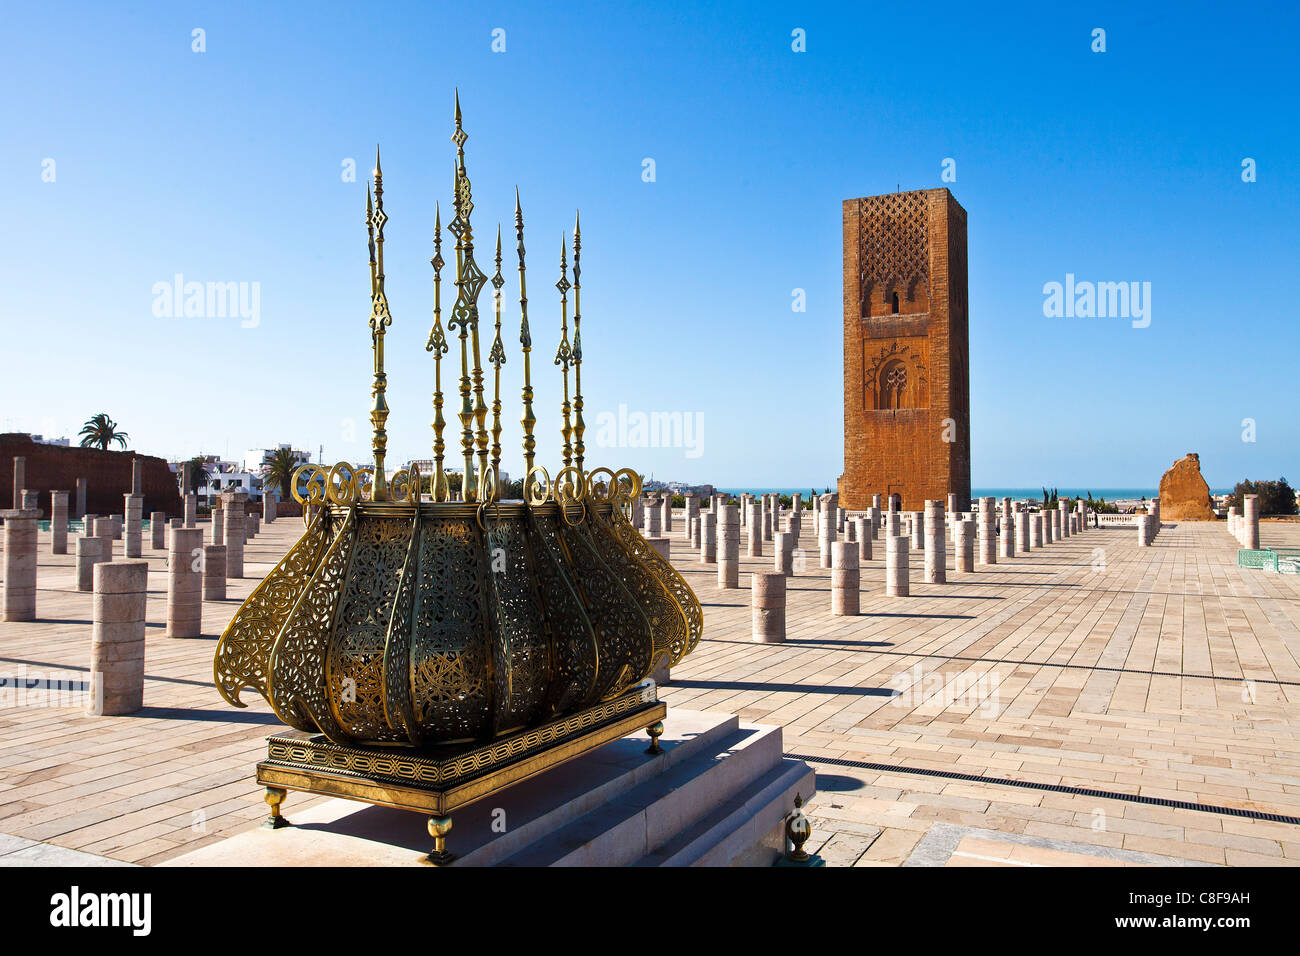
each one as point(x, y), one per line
point(427, 650)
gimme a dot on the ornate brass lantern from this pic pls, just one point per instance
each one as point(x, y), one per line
point(428, 650)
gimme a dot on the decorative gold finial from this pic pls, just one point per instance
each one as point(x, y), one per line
point(469, 282)
point(438, 346)
point(564, 354)
point(380, 320)
point(578, 425)
point(797, 831)
point(497, 356)
point(529, 421)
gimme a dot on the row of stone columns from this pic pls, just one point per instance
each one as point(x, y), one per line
point(1244, 524)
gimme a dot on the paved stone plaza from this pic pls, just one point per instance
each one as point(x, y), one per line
point(1163, 673)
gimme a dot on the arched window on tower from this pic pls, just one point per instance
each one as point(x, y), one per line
point(894, 303)
point(893, 386)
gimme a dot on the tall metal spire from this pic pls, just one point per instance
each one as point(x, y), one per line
point(564, 354)
point(529, 421)
point(438, 346)
point(380, 320)
point(578, 425)
point(497, 356)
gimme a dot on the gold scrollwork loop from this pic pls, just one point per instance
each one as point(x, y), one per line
point(602, 492)
point(537, 486)
point(490, 489)
point(341, 485)
point(413, 492)
point(570, 490)
point(314, 486)
point(400, 488)
point(632, 489)
point(365, 482)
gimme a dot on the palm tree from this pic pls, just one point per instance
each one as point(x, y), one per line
point(100, 432)
point(278, 472)
point(200, 477)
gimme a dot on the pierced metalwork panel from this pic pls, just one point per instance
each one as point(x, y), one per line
point(243, 657)
point(667, 622)
point(522, 622)
point(398, 708)
point(354, 659)
point(623, 630)
point(297, 691)
point(449, 657)
point(575, 649)
point(672, 582)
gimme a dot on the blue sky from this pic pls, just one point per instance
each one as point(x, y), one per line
point(226, 166)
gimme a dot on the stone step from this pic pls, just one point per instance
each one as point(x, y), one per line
point(651, 815)
point(747, 830)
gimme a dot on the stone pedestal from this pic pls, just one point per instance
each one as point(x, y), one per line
point(214, 572)
point(767, 601)
point(18, 599)
point(897, 548)
point(191, 510)
point(654, 521)
point(234, 539)
point(58, 522)
point(729, 546)
point(89, 552)
point(708, 538)
point(964, 546)
point(934, 539)
point(1250, 522)
point(117, 637)
point(845, 578)
point(158, 529)
point(754, 527)
point(185, 583)
point(103, 528)
point(1144, 531)
point(134, 527)
point(783, 554)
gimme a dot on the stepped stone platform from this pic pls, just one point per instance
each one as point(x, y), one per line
point(718, 795)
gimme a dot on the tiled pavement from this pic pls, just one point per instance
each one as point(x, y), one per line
point(1164, 672)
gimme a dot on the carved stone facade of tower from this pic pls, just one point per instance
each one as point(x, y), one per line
point(906, 350)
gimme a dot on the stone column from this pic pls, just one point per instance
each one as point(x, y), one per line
point(663, 545)
point(794, 525)
point(692, 512)
point(158, 529)
point(1022, 530)
point(692, 529)
point(103, 528)
point(767, 518)
point(1035, 530)
point(709, 539)
point(638, 512)
point(952, 503)
point(826, 534)
point(668, 512)
point(134, 523)
point(767, 601)
point(936, 543)
point(1250, 522)
point(185, 583)
point(864, 539)
point(988, 536)
point(846, 578)
point(754, 524)
point(964, 546)
point(1047, 527)
point(729, 546)
point(654, 520)
point(270, 506)
point(796, 502)
point(58, 522)
point(19, 596)
point(117, 637)
point(893, 523)
point(896, 571)
point(81, 497)
point(214, 572)
point(20, 481)
point(89, 551)
point(782, 553)
point(918, 530)
point(1144, 531)
point(234, 535)
point(1063, 518)
point(1007, 538)
point(875, 520)
point(191, 510)
point(31, 502)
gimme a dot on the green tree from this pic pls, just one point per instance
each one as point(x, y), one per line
point(100, 432)
point(200, 476)
point(278, 473)
point(1275, 497)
